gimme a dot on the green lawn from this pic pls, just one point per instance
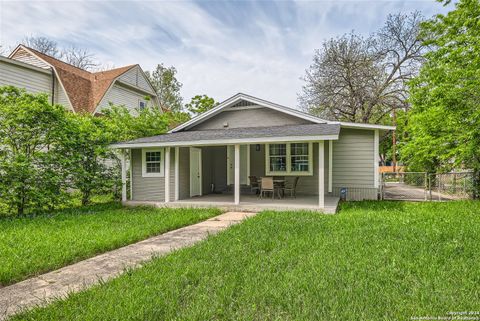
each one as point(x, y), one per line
point(30, 246)
point(373, 261)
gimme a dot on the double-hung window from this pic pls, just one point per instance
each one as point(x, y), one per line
point(152, 162)
point(294, 159)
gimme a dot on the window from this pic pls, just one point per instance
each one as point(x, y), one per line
point(299, 157)
point(278, 157)
point(141, 105)
point(152, 162)
point(289, 159)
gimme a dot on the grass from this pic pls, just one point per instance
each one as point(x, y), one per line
point(33, 245)
point(373, 261)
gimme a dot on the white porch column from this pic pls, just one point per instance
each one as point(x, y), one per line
point(130, 170)
point(177, 173)
point(330, 166)
point(167, 174)
point(237, 174)
point(124, 175)
point(321, 174)
point(376, 173)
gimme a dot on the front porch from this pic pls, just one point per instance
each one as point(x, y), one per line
point(250, 203)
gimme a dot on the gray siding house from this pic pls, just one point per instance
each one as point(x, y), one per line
point(209, 160)
point(76, 89)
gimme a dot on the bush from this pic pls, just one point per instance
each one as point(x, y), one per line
point(31, 169)
point(47, 152)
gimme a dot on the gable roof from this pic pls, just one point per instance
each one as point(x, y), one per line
point(235, 100)
point(241, 97)
point(103, 80)
point(84, 89)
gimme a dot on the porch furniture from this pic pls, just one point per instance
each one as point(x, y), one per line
point(291, 187)
point(266, 186)
point(254, 184)
point(279, 185)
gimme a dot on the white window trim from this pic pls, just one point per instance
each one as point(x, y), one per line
point(289, 171)
point(162, 162)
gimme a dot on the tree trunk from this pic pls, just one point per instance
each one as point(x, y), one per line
point(85, 197)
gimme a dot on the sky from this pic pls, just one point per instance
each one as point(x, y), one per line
point(219, 48)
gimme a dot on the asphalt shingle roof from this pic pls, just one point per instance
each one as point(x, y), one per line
point(242, 133)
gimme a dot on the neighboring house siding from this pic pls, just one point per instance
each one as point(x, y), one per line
point(60, 95)
point(136, 78)
point(353, 164)
point(255, 117)
point(122, 96)
point(22, 77)
point(26, 57)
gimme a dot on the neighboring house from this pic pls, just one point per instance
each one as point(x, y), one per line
point(76, 89)
point(208, 160)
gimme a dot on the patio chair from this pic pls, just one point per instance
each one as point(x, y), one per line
point(254, 184)
point(291, 187)
point(266, 186)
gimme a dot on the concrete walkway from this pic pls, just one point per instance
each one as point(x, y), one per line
point(56, 284)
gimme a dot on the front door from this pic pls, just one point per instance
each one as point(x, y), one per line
point(195, 171)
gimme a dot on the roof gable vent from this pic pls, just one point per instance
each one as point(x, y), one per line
point(243, 103)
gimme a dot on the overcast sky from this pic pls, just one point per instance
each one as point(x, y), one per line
point(218, 48)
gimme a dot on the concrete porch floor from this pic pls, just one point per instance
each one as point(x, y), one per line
point(250, 203)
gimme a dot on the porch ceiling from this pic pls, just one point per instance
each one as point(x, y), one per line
point(308, 132)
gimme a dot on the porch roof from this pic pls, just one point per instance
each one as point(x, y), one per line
point(308, 132)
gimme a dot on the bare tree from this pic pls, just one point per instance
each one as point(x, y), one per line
point(80, 58)
point(364, 79)
point(43, 44)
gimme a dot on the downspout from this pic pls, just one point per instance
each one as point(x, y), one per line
point(53, 86)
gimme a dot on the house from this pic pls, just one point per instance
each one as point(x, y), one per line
point(80, 91)
point(208, 160)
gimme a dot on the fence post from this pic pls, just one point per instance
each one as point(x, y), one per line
point(430, 185)
point(381, 186)
point(425, 184)
point(438, 187)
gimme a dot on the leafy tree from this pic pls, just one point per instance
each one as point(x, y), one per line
point(92, 167)
point(31, 170)
point(122, 125)
point(167, 87)
point(200, 104)
point(444, 124)
point(360, 79)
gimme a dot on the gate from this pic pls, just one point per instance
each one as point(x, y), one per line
point(421, 186)
point(407, 186)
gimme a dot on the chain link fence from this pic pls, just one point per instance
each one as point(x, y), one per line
point(422, 186)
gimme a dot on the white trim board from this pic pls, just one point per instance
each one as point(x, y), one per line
point(284, 139)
